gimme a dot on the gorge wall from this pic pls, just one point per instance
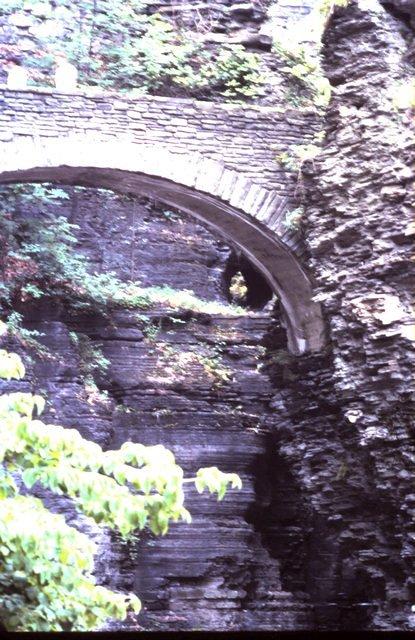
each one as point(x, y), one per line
point(321, 537)
point(192, 381)
point(356, 463)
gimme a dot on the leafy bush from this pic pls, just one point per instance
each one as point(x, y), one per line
point(37, 250)
point(234, 72)
point(158, 57)
point(126, 49)
point(46, 581)
point(238, 288)
point(162, 57)
point(39, 258)
point(28, 338)
point(132, 295)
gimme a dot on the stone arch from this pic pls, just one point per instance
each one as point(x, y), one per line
point(246, 214)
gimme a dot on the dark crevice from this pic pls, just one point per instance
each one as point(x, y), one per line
point(403, 16)
point(244, 285)
point(282, 518)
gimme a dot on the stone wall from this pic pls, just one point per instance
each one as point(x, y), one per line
point(243, 138)
point(192, 155)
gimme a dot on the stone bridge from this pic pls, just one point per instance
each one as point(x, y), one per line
point(214, 161)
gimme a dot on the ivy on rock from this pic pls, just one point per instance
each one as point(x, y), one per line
point(121, 45)
point(39, 258)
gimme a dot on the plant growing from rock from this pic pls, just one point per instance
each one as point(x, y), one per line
point(46, 581)
point(234, 72)
point(238, 288)
point(121, 46)
point(92, 360)
point(301, 53)
point(293, 218)
point(38, 258)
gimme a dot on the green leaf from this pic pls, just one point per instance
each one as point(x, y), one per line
point(29, 477)
point(51, 562)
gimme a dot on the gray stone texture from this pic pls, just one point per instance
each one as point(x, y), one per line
point(243, 138)
point(322, 535)
point(217, 573)
point(350, 429)
point(225, 173)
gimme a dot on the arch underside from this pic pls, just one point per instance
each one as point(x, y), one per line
point(304, 324)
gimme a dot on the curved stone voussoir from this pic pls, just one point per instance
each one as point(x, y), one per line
point(230, 202)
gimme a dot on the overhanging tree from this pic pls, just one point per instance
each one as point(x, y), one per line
point(46, 581)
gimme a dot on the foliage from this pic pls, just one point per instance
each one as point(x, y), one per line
point(215, 369)
point(162, 57)
point(26, 337)
point(238, 288)
point(39, 258)
point(293, 218)
point(126, 49)
point(325, 6)
point(303, 62)
point(157, 57)
point(9, 6)
point(303, 67)
point(299, 154)
point(37, 251)
point(91, 358)
point(46, 581)
point(234, 73)
point(131, 294)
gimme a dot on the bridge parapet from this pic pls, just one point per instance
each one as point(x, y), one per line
point(242, 137)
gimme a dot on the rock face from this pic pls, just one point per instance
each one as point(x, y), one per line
point(322, 534)
point(350, 433)
point(190, 381)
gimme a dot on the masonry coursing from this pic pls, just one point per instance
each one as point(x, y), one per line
point(245, 138)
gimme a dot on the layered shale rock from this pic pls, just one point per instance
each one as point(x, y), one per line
point(321, 535)
point(353, 409)
point(191, 381)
